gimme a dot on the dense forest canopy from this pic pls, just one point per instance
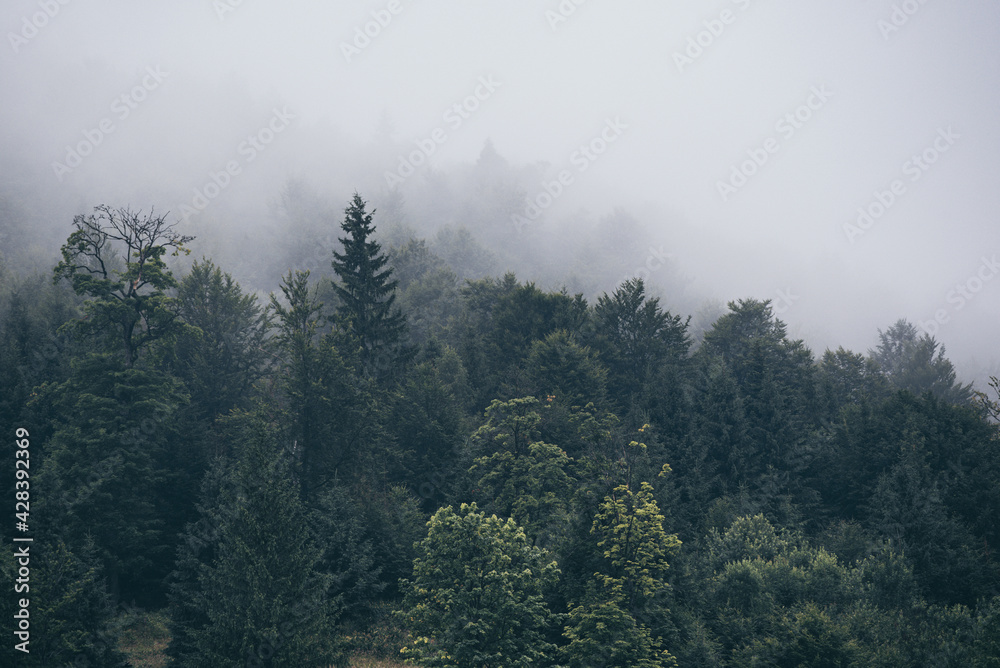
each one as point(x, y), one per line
point(386, 456)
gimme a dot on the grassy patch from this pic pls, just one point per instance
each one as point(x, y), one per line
point(375, 643)
point(144, 639)
point(369, 662)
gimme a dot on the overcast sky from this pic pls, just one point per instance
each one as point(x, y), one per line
point(746, 133)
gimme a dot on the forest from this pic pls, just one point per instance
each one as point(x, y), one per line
point(380, 461)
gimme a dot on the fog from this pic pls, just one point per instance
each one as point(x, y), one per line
point(721, 150)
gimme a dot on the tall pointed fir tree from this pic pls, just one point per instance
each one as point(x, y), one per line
point(265, 599)
point(367, 293)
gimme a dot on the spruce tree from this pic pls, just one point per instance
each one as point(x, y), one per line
point(230, 352)
point(636, 337)
point(331, 416)
point(71, 614)
point(917, 363)
point(112, 469)
point(367, 292)
point(266, 602)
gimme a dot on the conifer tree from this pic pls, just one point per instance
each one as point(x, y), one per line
point(327, 400)
point(111, 469)
point(70, 613)
point(265, 601)
point(367, 292)
point(229, 352)
point(635, 336)
point(917, 363)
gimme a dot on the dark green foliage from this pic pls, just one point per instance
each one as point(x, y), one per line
point(108, 474)
point(849, 379)
point(603, 634)
point(349, 555)
point(503, 320)
point(327, 400)
point(298, 325)
point(32, 351)
point(367, 293)
point(426, 422)
point(526, 314)
point(265, 601)
point(221, 361)
point(834, 512)
point(907, 507)
point(636, 337)
point(922, 472)
point(561, 370)
point(987, 635)
point(774, 599)
point(394, 522)
point(195, 553)
point(917, 364)
point(804, 638)
point(71, 614)
point(769, 381)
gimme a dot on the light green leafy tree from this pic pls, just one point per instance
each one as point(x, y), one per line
point(477, 595)
point(520, 476)
point(603, 629)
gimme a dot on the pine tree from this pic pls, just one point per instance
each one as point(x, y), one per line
point(265, 599)
point(327, 401)
point(367, 293)
point(917, 363)
point(636, 337)
point(111, 471)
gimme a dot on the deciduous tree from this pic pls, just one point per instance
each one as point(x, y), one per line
point(477, 594)
point(115, 259)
